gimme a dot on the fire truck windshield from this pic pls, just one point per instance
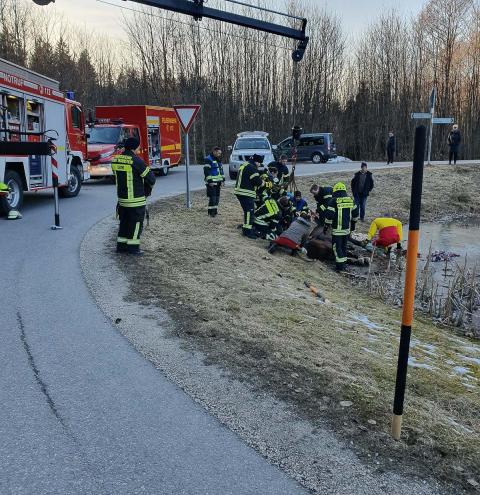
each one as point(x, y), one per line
point(104, 135)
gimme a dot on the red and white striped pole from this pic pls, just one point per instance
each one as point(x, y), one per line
point(55, 193)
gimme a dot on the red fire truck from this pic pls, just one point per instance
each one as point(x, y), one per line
point(32, 109)
point(157, 129)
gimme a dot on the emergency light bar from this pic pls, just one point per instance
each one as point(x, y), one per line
point(252, 133)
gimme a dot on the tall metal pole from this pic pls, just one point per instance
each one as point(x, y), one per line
point(433, 98)
point(410, 278)
point(187, 164)
point(54, 165)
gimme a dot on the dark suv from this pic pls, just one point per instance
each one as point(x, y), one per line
point(318, 148)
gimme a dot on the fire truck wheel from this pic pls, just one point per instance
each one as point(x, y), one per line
point(74, 184)
point(164, 171)
point(15, 184)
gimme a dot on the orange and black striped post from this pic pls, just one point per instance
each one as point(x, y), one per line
point(410, 278)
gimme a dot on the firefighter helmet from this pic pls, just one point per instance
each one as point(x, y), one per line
point(339, 186)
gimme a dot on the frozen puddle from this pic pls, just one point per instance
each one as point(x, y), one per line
point(471, 360)
point(412, 361)
point(363, 319)
point(366, 349)
point(428, 349)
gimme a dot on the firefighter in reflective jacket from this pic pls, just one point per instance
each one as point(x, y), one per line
point(214, 178)
point(134, 182)
point(248, 181)
point(322, 196)
point(267, 219)
point(5, 208)
point(341, 216)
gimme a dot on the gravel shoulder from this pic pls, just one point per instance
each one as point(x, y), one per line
point(271, 363)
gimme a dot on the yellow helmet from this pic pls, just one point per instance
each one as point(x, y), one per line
point(339, 186)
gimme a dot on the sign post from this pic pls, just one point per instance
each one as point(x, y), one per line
point(433, 120)
point(433, 99)
point(186, 115)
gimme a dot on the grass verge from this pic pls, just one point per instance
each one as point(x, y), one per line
point(249, 312)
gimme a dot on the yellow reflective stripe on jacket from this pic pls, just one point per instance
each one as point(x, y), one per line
point(121, 167)
point(272, 206)
point(132, 203)
point(245, 192)
point(145, 172)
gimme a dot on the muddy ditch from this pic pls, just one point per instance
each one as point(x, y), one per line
point(334, 362)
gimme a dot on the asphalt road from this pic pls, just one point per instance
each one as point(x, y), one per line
point(81, 412)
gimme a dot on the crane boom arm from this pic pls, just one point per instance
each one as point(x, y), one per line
point(196, 9)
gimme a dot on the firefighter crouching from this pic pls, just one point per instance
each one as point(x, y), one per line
point(341, 215)
point(248, 180)
point(390, 232)
point(214, 178)
point(134, 182)
point(5, 208)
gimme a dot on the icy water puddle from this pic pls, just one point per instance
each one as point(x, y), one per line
point(461, 238)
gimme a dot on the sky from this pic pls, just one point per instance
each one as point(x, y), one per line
point(356, 15)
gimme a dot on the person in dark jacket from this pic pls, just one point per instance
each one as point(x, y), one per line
point(391, 147)
point(283, 174)
point(214, 178)
point(341, 216)
point(362, 184)
point(322, 196)
point(287, 213)
point(454, 139)
point(248, 181)
point(299, 203)
point(134, 181)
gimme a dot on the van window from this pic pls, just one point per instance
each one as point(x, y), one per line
point(312, 141)
point(76, 118)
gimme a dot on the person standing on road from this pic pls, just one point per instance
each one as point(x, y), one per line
point(391, 147)
point(341, 216)
point(362, 184)
point(134, 181)
point(248, 181)
point(214, 179)
point(5, 208)
point(454, 139)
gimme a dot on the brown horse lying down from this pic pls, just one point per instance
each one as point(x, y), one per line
point(320, 248)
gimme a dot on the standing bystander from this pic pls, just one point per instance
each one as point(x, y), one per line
point(362, 184)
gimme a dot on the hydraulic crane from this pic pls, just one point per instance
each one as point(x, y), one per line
point(198, 10)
